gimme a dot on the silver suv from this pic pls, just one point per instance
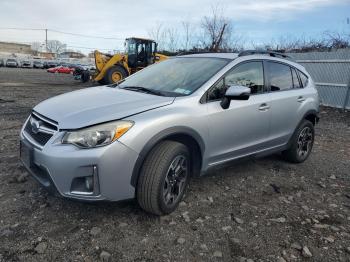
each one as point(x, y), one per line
point(147, 135)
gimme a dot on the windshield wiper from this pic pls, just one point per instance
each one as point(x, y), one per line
point(116, 84)
point(143, 89)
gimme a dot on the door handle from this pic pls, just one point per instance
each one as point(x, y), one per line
point(264, 107)
point(301, 99)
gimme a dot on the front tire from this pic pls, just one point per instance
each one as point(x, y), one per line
point(301, 143)
point(164, 177)
point(85, 76)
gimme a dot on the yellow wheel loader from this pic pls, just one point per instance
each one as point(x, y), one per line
point(140, 53)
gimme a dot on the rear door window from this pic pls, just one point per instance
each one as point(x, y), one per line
point(280, 76)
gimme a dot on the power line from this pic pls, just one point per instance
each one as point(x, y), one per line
point(91, 48)
point(88, 36)
point(66, 33)
point(61, 32)
point(19, 28)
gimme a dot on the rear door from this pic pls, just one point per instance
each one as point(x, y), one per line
point(286, 99)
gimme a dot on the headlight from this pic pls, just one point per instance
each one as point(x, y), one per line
point(99, 135)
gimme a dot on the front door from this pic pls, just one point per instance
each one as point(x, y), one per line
point(244, 127)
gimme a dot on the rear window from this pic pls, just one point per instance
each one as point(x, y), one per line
point(280, 76)
point(304, 79)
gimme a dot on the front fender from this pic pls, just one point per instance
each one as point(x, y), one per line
point(162, 135)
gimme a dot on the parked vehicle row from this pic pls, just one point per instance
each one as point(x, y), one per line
point(39, 64)
point(66, 68)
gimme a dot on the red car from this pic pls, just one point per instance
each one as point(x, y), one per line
point(61, 70)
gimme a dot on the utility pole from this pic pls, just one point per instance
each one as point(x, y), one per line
point(46, 40)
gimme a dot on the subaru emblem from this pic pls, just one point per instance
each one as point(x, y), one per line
point(35, 125)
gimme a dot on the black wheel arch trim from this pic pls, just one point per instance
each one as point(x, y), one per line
point(311, 112)
point(177, 130)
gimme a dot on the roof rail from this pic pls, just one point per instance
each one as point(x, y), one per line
point(263, 52)
point(201, 52)
point(191, 53)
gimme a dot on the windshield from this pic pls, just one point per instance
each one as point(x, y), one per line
point(176, 76)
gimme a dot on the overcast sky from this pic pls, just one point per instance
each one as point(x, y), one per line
point(258, 21)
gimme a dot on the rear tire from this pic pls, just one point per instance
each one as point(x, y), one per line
point(163, 178)
point(301, 143)
point(115, 74)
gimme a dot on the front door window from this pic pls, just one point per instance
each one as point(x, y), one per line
point(250, 74)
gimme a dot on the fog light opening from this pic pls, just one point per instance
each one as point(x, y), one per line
point(89, 183)
point(86, 185)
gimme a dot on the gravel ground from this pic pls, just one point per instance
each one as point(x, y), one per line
point(257, 210)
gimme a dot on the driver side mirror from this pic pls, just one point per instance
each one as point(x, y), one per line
point(235, 92)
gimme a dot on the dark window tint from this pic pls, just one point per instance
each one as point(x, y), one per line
point(303, 78)
point(280, 76)
point(296, 82)
point(249, 74)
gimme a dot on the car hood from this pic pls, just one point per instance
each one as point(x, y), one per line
point(95, 105)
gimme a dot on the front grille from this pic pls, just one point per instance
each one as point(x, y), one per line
point(43, 132)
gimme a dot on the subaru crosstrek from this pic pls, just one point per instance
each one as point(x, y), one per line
point(147, 135)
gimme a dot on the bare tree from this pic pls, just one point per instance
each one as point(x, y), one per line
point(55, 46)
point(217, 29)
point(336, 40)
point(172, 39)
point(186, 25)
point(327, 41)
point(157, 33)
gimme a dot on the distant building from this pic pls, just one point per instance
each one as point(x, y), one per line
point(71, 54)
point(46, 55)
point(7, 47)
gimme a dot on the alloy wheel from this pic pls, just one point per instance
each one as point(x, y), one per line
point(305, 140)
point(175, 180)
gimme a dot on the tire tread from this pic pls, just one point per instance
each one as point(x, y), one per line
point(151, 175)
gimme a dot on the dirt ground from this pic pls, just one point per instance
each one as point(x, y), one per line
point(256, 210)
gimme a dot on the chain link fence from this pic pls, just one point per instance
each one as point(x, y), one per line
point(331, 73)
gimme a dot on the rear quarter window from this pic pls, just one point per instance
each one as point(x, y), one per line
point(296, 82)
point(304, 79)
